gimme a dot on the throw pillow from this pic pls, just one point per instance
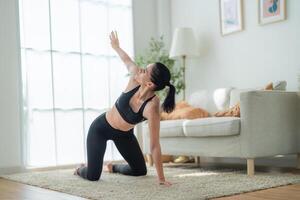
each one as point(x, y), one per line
point(235, 111)
point(269, 86)
point(221, 98)
point(279, 85)
point(199, 99)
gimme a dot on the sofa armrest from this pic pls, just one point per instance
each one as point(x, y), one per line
point(298, 122)
point(268, 123)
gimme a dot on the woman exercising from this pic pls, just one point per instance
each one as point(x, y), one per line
point(136, 104)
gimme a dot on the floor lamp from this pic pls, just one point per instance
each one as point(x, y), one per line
point(184, 44)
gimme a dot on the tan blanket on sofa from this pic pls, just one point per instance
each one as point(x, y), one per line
point(184, 111)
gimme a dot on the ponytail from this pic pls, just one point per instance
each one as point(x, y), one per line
point(161, 77)
point(169, 102)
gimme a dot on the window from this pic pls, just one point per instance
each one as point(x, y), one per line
point(70, 74)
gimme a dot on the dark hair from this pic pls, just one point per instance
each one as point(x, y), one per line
point(161, 77)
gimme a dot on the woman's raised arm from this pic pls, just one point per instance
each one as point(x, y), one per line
point(131, 66)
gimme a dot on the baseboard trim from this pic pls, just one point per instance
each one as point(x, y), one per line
point(11, 170)
point(19, 169)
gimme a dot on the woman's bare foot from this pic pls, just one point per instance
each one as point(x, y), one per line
point(77, 168)
point(108, 167)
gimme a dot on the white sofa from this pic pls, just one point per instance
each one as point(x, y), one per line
point(269, 125)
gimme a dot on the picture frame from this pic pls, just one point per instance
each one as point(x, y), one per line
point(231, 16)
point(271, 11)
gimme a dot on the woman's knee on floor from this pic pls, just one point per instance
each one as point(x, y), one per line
point(83, 172)
point(93, 178)
point(93, 175)
point(140, 172)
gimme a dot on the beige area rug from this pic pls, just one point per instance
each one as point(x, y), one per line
point(189, 182)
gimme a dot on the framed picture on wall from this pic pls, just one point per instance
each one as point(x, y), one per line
point(271, 11)
point(231, 16)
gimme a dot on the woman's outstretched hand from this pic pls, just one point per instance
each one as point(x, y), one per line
point(165, 183)
point(114, 41)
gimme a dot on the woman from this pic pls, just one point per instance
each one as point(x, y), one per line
point(134, 105)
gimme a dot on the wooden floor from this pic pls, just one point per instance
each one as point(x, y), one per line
point(10, 190)
point(289, 192)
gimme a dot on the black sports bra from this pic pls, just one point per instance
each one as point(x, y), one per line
point(122, 105)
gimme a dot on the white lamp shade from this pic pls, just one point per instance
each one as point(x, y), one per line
point(184, 43)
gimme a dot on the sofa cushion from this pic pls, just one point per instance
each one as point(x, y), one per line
point(168, 128)
point(213, 126)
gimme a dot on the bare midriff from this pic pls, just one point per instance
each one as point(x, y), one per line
point(114, 118)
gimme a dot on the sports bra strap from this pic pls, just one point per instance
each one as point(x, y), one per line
point(144, 104)
point(132, 90)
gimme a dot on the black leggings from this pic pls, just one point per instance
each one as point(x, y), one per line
point(99, 132)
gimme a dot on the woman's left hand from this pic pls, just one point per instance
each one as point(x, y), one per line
point(114, 41)
point(166, 183)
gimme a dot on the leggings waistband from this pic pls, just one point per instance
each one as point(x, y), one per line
point(117, 130)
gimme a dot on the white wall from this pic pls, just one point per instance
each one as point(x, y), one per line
point(250, 58)
point(144, 23)
point(151, 18)
point(10, 145)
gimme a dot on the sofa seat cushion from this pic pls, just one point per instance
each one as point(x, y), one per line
point(168, 128)
point(212, 126)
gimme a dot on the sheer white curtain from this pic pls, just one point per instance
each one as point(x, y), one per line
point(70, 74)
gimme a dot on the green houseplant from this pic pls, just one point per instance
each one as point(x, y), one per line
point(156, 53)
